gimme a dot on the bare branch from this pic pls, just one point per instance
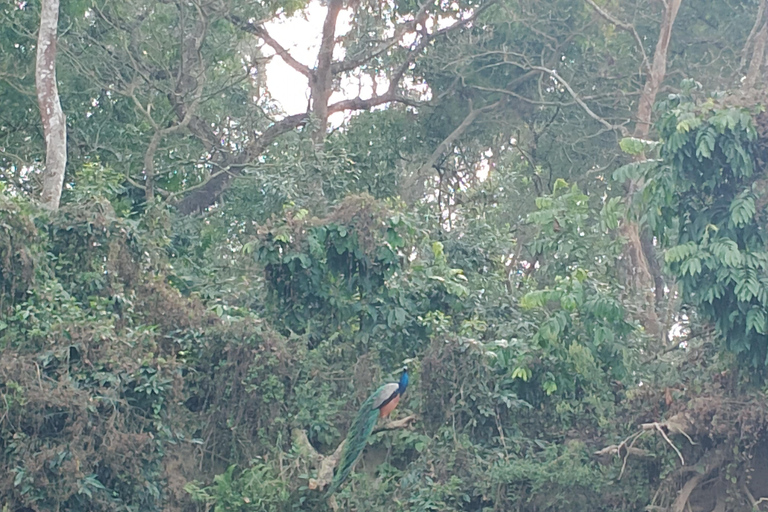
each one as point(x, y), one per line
point(455, 134)
point(626, 27)
point(279, 49)
point(395, 424)
point(580, 102)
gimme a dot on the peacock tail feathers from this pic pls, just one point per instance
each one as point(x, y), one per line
point(357, 438)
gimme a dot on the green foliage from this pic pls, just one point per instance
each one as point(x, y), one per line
point(701, 201)
point(153, 361)
point(256, 488)
point(347, 278)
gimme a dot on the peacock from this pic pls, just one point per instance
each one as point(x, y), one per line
point(378, 405)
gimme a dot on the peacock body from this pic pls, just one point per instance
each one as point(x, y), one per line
point(379, 405)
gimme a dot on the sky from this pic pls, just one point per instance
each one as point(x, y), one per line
point(300, 35)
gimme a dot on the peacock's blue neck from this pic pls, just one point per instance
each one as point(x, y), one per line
point(403, 383)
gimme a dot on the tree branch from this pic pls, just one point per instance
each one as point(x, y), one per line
point(405, 28)
point(580, 102)
point(714, 460)
point(758, 56)
point(455, 134)
point(202, 195)
point(326, 464)
point(627, 28)
point(759, 23)
point(279, 49)
point(206, 194)
point(657, 71)
point(321, 80)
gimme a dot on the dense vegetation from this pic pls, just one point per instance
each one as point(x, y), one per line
point(577, 279)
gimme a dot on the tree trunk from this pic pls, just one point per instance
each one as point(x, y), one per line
point(321, 79)
point(54, 122)
point(657, 72)
point(757, 41)
point(640, 252)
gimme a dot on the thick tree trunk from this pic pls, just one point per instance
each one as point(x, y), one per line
point(54, 122)
point(757, 40)
point(321, 79)
point(640, 251)
point(657, 72)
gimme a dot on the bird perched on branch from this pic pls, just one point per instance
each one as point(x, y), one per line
point(382, 402)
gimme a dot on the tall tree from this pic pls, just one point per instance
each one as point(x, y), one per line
point(54, 122)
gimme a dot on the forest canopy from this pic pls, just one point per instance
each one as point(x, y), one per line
point(552, 210)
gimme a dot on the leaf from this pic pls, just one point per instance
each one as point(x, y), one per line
point(742, 210)
point(688, 122)
point(560, 184)
point(549, 387)
point(522, 373)
point(635, 170)
point(680, 252)
point(635, 146)
point(534, 299)
point(705, 143)
point(20, 473)
point(691, 266)
point(756, 319)
point(400, 316)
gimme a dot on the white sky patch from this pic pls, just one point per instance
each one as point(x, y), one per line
point(300, 35)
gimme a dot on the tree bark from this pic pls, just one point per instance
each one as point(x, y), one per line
point(640, 251)
point(52, 116)
point(657, 72)
point(321, 79)
point(758, 38)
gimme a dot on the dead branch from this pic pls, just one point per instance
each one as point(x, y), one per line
point(279, 49)
point(396, 424)
point(626, 450)
point(715, 459)
point(616, 449)
point(553, 72)
point(676, 425)
point(325, 464)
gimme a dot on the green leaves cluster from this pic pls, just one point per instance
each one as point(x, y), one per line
point(358, 275)
point(701, 201)
point(581, 332)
